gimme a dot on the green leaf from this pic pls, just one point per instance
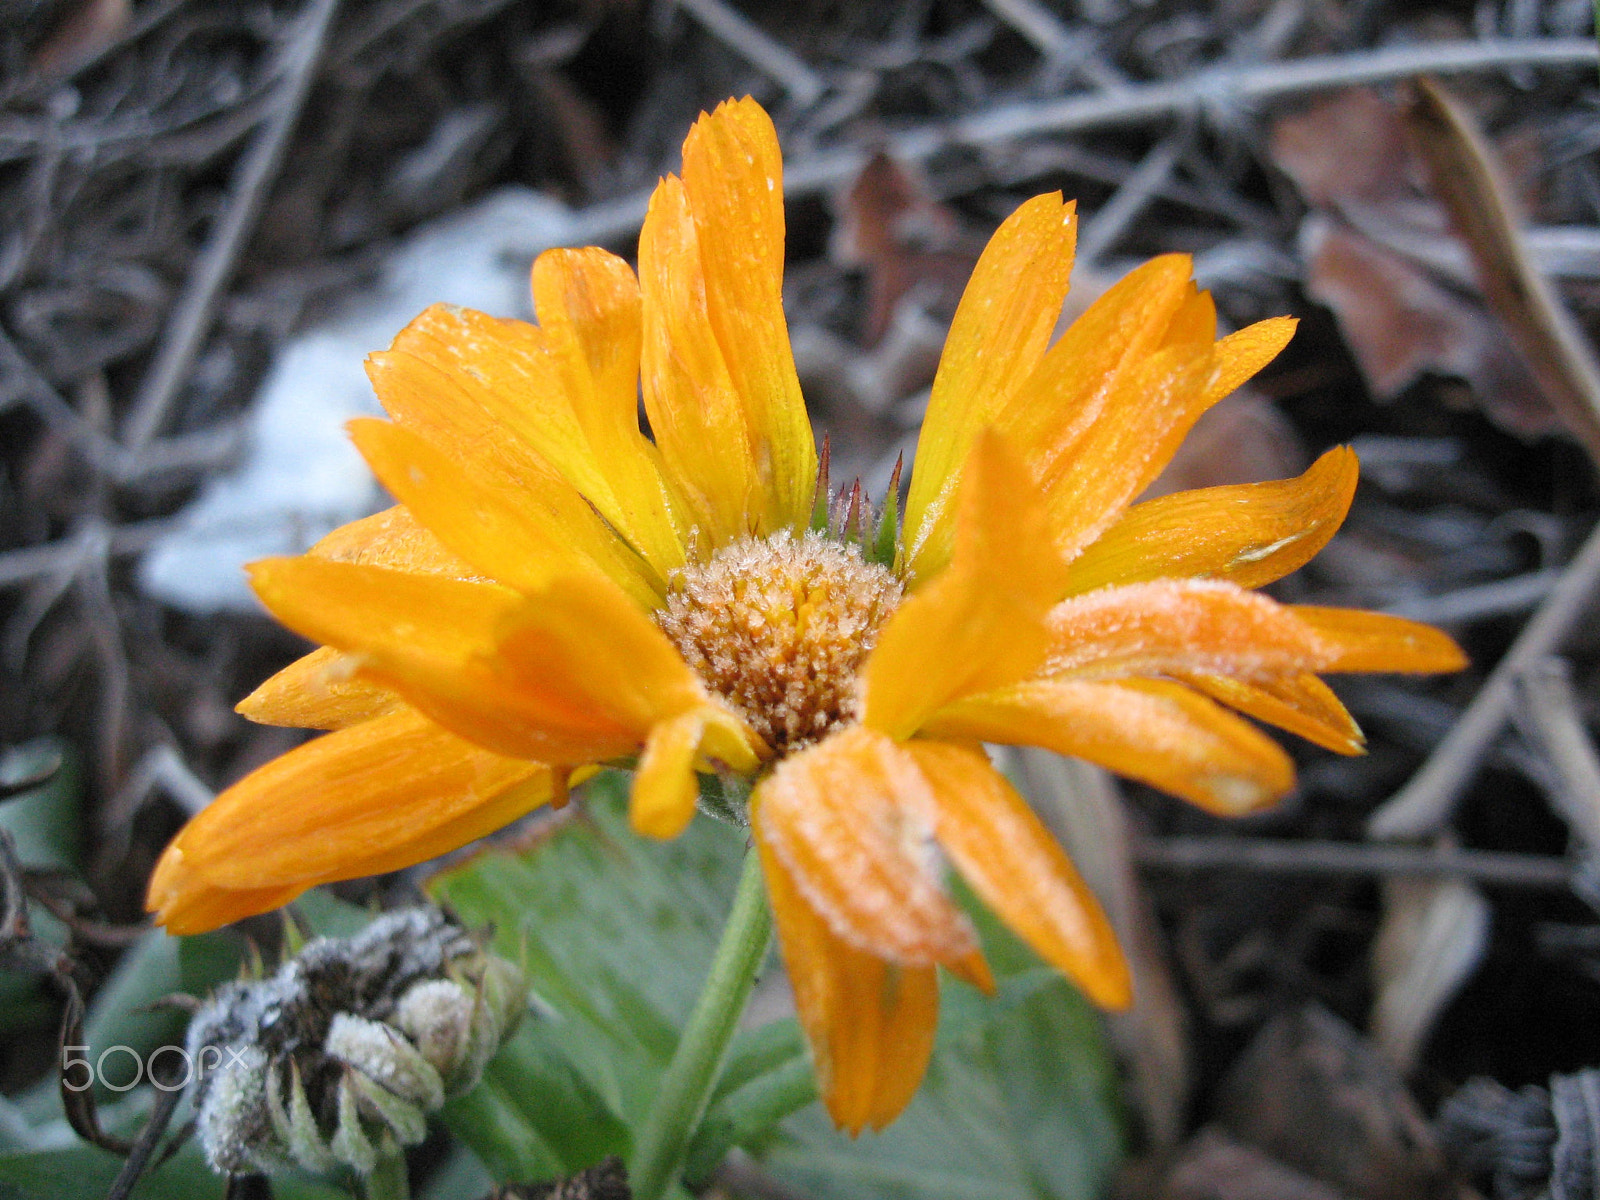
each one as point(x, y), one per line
point(615, 932)
point(1020, 1101)
point(85, 1173)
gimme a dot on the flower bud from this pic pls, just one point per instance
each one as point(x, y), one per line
point(340, 1055)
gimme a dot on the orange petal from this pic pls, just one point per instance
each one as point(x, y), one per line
point(442, 411)
point(1001, 327)
point(1069, 390)
point(1369, 641)
point(518, 535)
point(870, 1023)
point(1149, 410)
point(1249, 534)
point(556, 399)
point(1173, 625)
point(846, 819)
point(1020, 871)
point(696, 414)
point(1161, 733)
point(318, 691)
point(979, 624)
point(1302, 704)
point(343, 803)
point(184, 903)
point(437, 643)
point(733, 179)
point(392, 539)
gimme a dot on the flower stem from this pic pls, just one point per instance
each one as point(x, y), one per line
point(388, 1180)
point(696, 1063)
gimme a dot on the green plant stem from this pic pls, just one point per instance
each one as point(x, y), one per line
point(690, 1076)
point(389, 1180)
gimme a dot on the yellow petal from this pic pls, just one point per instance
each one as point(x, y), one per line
point(437, 643)
point(733, 179)
point(588, 305)
point(1004, 321)
point(846, 819)
point(1240, 355)
point(662, 801)
point(1302, 704)
point(665, 785)
point(520, 535)
point(870, 1024)
point(343, 803)
point(1174, 625)
point(318, 691)
point(392, 538)
point(1020, 871)
point(1369, 641)
point(979, 624)
point(439, 410)
point(1249, 534)
point(562, 397)
point(1161, 733)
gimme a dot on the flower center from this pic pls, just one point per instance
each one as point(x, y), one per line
point(778, 628)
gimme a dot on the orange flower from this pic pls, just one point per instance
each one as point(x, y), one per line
point(556, 590)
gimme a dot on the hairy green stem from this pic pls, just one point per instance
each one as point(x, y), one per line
point(692, 1074)
point(389, 1180)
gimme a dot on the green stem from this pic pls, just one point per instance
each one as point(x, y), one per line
point(690, 1076)
point(389, 1180)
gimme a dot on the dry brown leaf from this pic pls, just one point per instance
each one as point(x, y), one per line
point(1311, 1092)
point(1213, 1166)
point(1352, 159)
point(1432, 938)
point(907, 242)
point(89, 27)
point(1348, 146)
point(1468, 178)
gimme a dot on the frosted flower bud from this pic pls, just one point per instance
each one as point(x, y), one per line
point(339, 1056)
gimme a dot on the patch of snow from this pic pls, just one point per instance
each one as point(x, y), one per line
point(300, 476)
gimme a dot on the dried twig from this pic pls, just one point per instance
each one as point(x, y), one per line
point(191, 321)
point(1500, 598)
point(1270, 857)
point(1423, 805)
point(1548, 715)
point(1131, 105)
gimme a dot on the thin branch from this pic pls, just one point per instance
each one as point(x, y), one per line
point(1548, 716)
point(1135, 104)
point(190, 323)
point(65, 557)
point(1424, 805)
point(1106, 226)
point(1282, 857)
point(1502, 597)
